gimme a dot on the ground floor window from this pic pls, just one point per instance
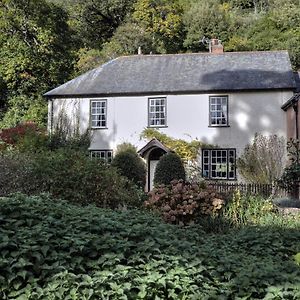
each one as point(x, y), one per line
point(106, 155)
point(219, 163)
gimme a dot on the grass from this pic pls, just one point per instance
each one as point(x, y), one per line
point(56, 250)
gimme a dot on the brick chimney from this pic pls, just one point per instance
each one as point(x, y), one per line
point(215, 46)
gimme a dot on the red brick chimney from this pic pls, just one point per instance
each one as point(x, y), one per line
point(215, 46)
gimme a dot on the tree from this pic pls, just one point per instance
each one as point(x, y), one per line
point(168, 168)
point(209, 18)
point(162, 20)
point(263, 160)
point(275, 30)
point(97, 20)
point(36, 55)
point(130, 164)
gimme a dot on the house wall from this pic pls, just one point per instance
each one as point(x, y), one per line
point(187, 118)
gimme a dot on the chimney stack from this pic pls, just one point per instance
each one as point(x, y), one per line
point(215, 46)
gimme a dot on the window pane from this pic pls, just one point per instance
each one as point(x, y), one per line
point(157, 115)
point(218, 111)
point(98, 114)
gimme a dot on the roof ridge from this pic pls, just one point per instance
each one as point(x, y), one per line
point(202, 53)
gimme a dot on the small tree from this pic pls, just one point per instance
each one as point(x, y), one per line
point(130, 164)
point(263, 160)
point(290, 178)
point(169, 167)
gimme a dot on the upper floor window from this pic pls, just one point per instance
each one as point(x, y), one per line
point(157, 112)
point(219, 163)
point(218, 110)
point(105, 155)
point(98, 113)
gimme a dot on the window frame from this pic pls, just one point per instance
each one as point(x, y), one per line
point(107, 158)
point(210, 163)
point(165, 112)
point(210, 111)
point(91, 114)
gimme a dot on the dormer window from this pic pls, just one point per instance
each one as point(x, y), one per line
point(218, 111)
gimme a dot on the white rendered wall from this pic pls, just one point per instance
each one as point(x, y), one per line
point(187, 118)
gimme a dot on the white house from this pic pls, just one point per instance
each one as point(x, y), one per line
point(218, 98)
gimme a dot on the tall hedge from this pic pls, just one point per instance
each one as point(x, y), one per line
point(131, 165)
point(169, 167)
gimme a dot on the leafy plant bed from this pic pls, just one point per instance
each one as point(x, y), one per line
point(56, 250)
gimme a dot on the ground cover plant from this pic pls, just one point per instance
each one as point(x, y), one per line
point(57, 250)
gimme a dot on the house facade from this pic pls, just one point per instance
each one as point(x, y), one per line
point(221, 99)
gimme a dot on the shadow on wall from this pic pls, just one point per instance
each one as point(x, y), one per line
point(103, 139)
point(249, 112)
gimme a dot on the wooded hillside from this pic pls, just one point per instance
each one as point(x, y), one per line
point(45, 43)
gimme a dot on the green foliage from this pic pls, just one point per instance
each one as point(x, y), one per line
point(168, 168)
point(54, 250)
point(263, 160)
point(291, 176)
point(188, 151)
point(26, 137)
point(67, 174)
point(96, 21)
point(243, 210)
point(208, 18)
point(36, 54)
point(162, 20)
point(130, 164)
point(183, 203)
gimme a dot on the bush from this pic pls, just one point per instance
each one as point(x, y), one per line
point(183, 203)
point(130, 164)
point(24, 137)
point(247, 210)
point(263, 160)
point(55, 250)
point(15, 174)
point(290, 178)
point(169, 167)
point(68, 175)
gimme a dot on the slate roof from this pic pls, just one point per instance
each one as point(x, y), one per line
point(183, 73)
point(296, 96)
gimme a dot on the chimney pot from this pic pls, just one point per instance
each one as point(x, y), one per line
point(216, 46)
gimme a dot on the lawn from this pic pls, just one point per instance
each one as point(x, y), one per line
point(56, 250)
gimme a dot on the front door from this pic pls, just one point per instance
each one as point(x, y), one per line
point(152, 167)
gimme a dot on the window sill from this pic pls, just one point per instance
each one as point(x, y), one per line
point(98, 128)
point(219, 179)
point(218, 126)
point(157, 126)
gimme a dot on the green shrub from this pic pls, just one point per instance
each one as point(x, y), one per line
point(69, 175)
point(169, 167)
point(55, 250)
point(183, 203)
point(131, 165)
point(26, 137)
point(290, 178)
point(15, 174)
point(247, 210)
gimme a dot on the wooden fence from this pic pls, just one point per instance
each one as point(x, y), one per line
point(265, 190)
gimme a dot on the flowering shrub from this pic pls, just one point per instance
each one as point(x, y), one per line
point(180, 203)
point(25, 136)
